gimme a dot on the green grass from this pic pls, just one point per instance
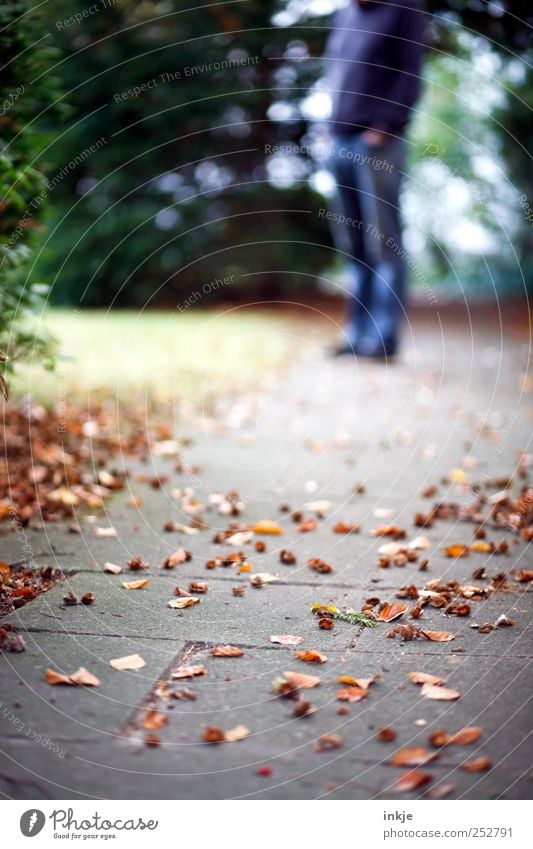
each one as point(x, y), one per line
point(158, 356)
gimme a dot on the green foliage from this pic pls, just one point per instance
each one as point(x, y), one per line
point(25, 90)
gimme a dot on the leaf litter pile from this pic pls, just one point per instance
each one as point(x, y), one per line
point(81, 469)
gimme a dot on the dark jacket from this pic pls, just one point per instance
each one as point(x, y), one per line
point(374, 56)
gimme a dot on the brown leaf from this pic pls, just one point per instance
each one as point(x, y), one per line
point(440, 791)
point(363, 683)
point(311, 655)
point(523, 576)
point(267, 526)
point(345, 528)
point(477, 765)
point(483, 547)
point(213, 734)
point(386, 735)
point(177, 557)
point(136, 585)
point(412, 756)
point(442, 694)
point(439, 738)
point(188, 671)
point(300, 681)
point(466, 736)
point(391, 611)
point(425, 678)
point(84, 678)
point(438, 636)
point(113, 568)
point(320, 566)
point(53, 677)
point(412, 780)
point(226, 651)
point(154, 720)
point(286, 640)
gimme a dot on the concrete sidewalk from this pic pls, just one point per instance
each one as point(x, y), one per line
point(456, 393)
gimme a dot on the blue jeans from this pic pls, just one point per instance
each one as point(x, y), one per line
point(367, 228)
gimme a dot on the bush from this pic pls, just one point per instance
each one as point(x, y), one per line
point(26, 90)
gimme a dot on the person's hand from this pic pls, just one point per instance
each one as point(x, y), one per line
point(374, 138)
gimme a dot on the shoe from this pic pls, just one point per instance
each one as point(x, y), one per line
point(343, 350)
point(368, 348)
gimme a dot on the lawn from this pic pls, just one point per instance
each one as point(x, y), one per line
point(159, 356)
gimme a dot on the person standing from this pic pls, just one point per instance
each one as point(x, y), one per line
point(374, 58)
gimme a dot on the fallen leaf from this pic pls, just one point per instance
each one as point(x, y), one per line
point(477, 765)
point(113, 568)
point(425, 678)
point(391, 611)
point(236, 734)
point(130, 661)
point(438, 636)
point(311, 655)
point(154, 720)
point(442, 694)
point(326, 742)
point(412, 756)
point(180, 603)
point(105, 532)
point(386, 735)
point(267, 526)
point(84, 678)
point(346, 528)
point(458, 476)
point(523, 576)
point(213, 734)
point(188, 671)
point(351, 694)
point(466, 736)
point(226, 651)
point(53, 677)
point(419, 543)
point(177, 557)
point(412, 780)
point(264, 578)
point(286, 640)
point(363, 683)
point(307, 525)
point(240, 538)
point(300, 681)
point(440, 791)
point(456, 551)
point(318, 507)
point(136, 585)
point(484, 547)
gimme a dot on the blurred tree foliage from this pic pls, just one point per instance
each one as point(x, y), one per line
point(176, 194)
point(166, 177)
point(25, 90)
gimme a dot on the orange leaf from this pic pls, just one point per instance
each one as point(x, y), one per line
point(438, 636)
point(267, 526)
point(413, 756)
point(84, 678)
point(484, 547)
point(363, 683)
point(441, 694)
point(391, 611)
point(188, 671)
point(311, 655)
point(53, 677)
point(477, 765)
point(226, 651)
point(135, 585)
point(466, 736)
point(412, 781)
point(351, 694)
point(154, 720)
point(301, 681)
point(456, 551)
point(286, 639)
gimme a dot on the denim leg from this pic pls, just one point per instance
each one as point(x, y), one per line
point(349, 240)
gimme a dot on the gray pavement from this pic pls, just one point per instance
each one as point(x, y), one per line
point(457, 392)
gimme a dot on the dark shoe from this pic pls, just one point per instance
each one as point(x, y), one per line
point(379, 351)
point(346, 349)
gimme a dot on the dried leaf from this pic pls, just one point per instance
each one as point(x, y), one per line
point(105, 532)
point(363, 683)
point(188, 671)
point(154, 720)
point(180, 603)
point(226, 651)
point(113, 568)
point(267, 526)
point(286, 640)
point(412, 780)
point(456, 551)
point(326, 742)
point(240, 538)
point(386, 735)
point(318, 507)
point(136, 585)
point(346, 528)
point(440, 791)
point(419, 543)
point(177, 557)
point(483, 547)
point(130, 661)
point(351, 694)
point(236, 734)
point(438, 636)
point(466, 736)
point(213, 734)
point(311, 655)
point(53, 677)
point(84, 678)
point(477, 765)
point(412, 756)
point(264, 578)
point(391, 611)
point(425, 678)
point(442, 694)
point(300, 681)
